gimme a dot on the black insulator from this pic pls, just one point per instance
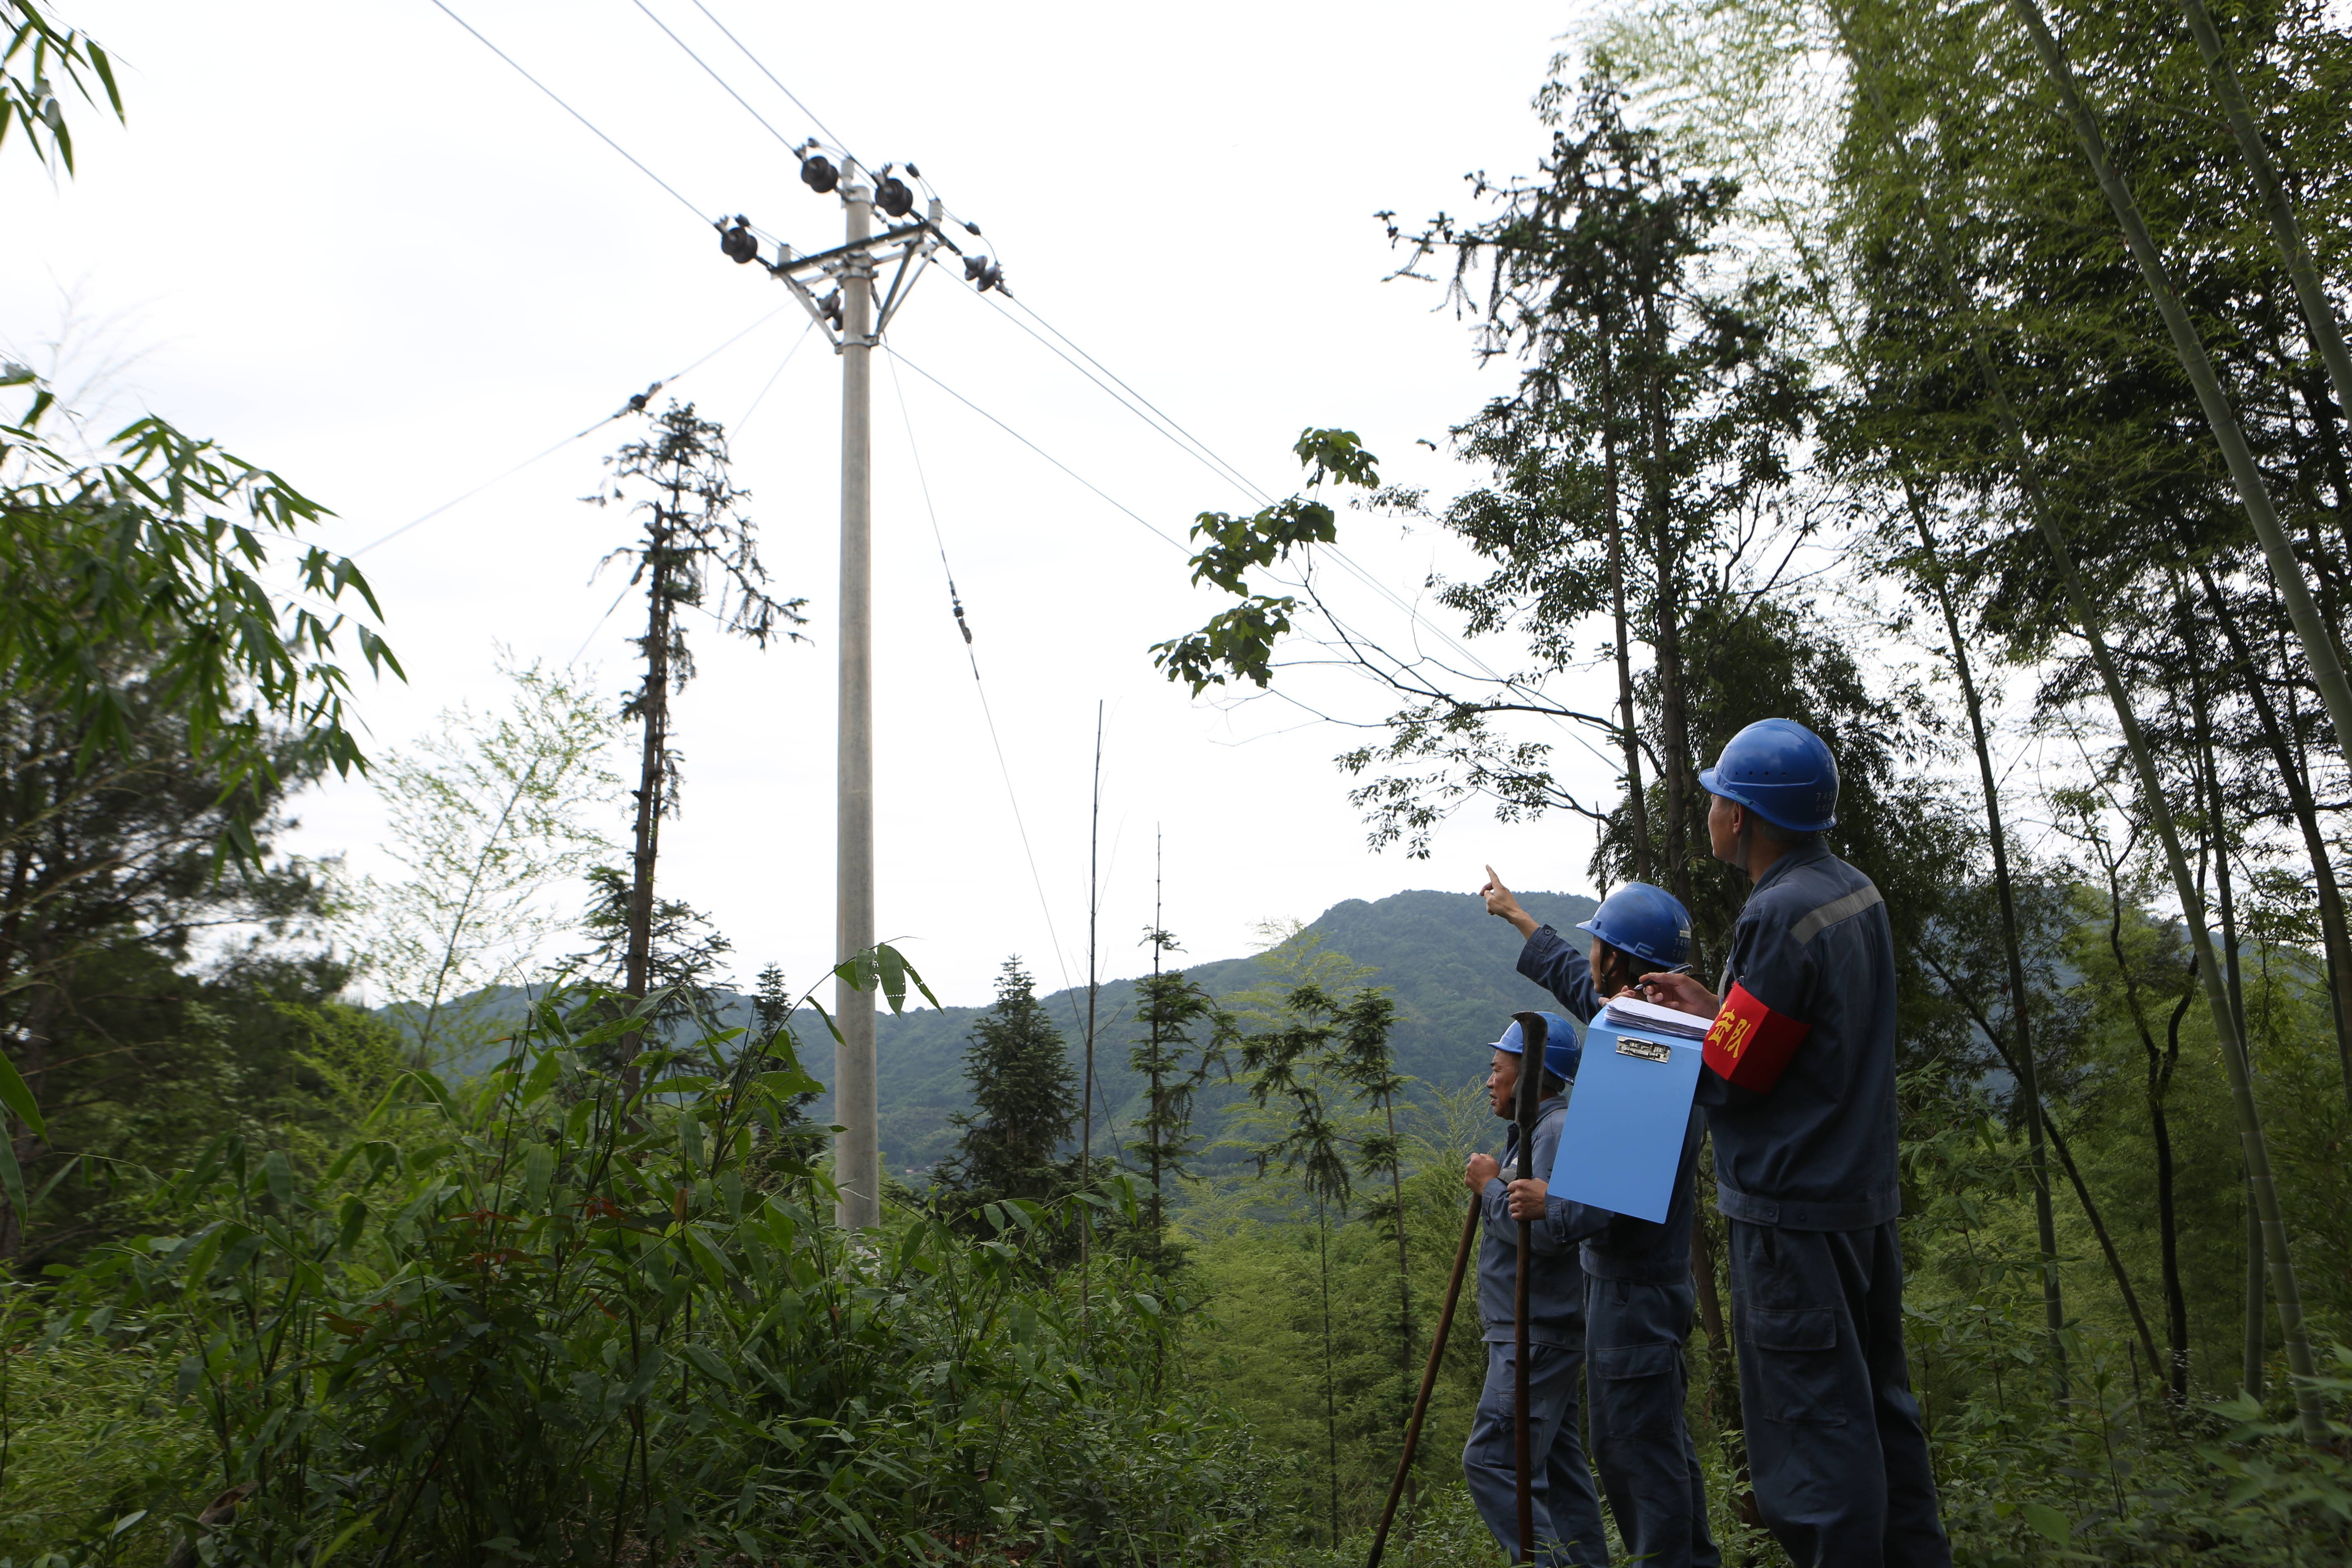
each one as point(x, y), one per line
point(914, 170)
point(893, 196)
point(971, 228)
point(980, 270)
point(739, 244)
point(818, 173)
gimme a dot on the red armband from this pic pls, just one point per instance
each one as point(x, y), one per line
point(1750, 1044)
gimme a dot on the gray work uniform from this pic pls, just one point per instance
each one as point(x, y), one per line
point(1806, 1176)
point(1637, 1321)
point(1567, 1510)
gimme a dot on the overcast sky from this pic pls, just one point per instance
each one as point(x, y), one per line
point(352, 245)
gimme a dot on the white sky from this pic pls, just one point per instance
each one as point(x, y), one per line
point(358, 248)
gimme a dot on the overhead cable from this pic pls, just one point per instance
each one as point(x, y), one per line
point(1160, 533)
point(714, 75)
point(615, 146)
point(1171, 430)
point(764, 71)
point(789, 355)
point(633, 406)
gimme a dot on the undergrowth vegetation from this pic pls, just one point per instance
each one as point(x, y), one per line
point(539, 1319)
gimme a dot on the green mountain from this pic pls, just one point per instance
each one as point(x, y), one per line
point(1447, 961)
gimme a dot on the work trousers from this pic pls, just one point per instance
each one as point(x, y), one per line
point(1834, 1444)
point(1567, 1510)
point(1637, 1380)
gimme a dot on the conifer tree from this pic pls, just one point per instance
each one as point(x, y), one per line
point(1024, 1104)
point(1169, 1007)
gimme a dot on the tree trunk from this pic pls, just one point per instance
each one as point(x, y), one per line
point(1721, 1384)
point(1673, 711)
point(2285, 1290)
point(2029, 1080)
point(1330, 1394)
point(2335, 938)
point(1637, 805)
point(2065, 1162)
point(653, 764)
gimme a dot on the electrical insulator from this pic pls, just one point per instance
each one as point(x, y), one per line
point(914, 170)
point(818, 173)
point(893, 196)
point(980, 270)
point(739, 244)
point(972, 228)
point(832, 309)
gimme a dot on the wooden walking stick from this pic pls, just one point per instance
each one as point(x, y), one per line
point(1532, 1030)
point(1428, 1376)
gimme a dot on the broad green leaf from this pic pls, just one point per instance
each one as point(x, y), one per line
point(18, 1097)
point(2048, 1522)
point(709, 1365)
point(279, 1176)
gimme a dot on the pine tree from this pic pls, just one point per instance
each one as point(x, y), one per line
point(1025, 1101)
point(1169, 1007)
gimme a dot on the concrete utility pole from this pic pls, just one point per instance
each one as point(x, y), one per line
point(858, 1147)
point(852, 316)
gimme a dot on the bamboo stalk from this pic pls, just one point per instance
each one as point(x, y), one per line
point(2318, 648)
point(2284, 1288)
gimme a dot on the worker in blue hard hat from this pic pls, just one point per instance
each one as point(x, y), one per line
point(1638, 1298)
point(1799, 1089)
point(1567, 1510)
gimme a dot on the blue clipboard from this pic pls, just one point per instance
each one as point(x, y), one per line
point(1620, 1142)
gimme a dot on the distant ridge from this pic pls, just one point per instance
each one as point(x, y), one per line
point(1447, 961)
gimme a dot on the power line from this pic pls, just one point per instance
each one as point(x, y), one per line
point(714, 75)
point(1164, 537)
point(633, 406)
point(987, 713)
point(1200, 451)
point(1207, 452)
point(575, 114)
point(764, 71)
point(789, 356)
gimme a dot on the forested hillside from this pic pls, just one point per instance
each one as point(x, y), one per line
point(1447, 961)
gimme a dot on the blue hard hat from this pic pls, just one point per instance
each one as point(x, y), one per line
point(1648, 922)
point(1563, 1052)
point(1780, 771)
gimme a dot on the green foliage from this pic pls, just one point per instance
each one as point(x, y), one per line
point(1237, 642)
point(487, 816)
point(36, 42)
point(548, 1319)
point(138, 581)
point(1025, 1101)
point(1169, 1008)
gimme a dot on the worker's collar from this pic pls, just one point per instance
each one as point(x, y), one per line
point(1810, 854)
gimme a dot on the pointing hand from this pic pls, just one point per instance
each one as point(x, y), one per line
point(1501, 904)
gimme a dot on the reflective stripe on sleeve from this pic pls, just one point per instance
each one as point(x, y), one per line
point(1750, 1044)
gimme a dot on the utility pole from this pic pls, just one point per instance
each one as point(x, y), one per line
point(854, 316)
point(858, 1147)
